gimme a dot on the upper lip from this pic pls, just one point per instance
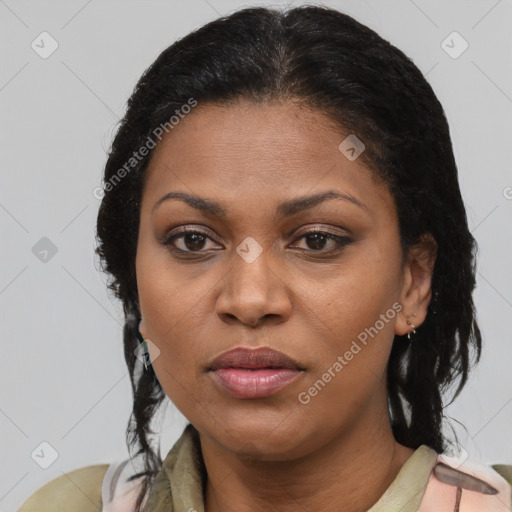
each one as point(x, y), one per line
point(262, 357)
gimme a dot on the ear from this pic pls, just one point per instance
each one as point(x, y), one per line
point(416, 289)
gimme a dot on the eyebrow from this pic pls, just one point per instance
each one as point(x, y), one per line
point(286, 209)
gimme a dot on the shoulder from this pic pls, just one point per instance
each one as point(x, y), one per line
point(505, 470)
point(469, 484)
point(100, 487)
point(78, 490)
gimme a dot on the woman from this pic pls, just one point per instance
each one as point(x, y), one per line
point(283, 224)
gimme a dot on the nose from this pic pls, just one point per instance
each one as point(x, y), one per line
point(254, 292)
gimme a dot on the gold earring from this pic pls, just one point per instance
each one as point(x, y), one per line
point(413, 330)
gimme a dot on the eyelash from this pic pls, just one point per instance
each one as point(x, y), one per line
point(341, 241)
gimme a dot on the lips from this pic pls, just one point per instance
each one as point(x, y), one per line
point(253, 373)
point(251, 359)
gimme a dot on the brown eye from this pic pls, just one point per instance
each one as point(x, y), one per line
point(317, 241)
point(191, 241)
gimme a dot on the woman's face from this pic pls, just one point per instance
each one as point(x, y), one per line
point(253, 277)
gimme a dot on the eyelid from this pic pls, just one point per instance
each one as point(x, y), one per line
point(184, 229)
point(315, 228)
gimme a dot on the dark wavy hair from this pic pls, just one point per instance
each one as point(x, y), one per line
point(327, 61)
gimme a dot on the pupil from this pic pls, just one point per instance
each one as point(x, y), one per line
point(198, 239)
point(316, 238)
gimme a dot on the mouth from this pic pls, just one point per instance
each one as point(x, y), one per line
point(254, 373)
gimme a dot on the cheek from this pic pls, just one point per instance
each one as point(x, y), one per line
point(356, 293)
point(166, 306)
point(353, 314)
point(353, 342)
point(165, 291)
point(173, 305)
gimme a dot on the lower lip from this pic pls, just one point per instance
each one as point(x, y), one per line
point(244, 383)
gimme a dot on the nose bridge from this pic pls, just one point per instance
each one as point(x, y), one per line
point(250, 272)
point(252, 288)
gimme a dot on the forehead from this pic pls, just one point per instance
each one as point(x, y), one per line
point(273, 148)
point(278, 132)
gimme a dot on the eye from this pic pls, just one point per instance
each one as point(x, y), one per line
point(316, 239)
point(191, 240)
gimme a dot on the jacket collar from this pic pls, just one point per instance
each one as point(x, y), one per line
point(179, 486)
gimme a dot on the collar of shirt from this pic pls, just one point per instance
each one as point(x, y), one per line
point(178, 487)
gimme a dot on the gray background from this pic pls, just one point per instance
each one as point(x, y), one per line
point(64, 379)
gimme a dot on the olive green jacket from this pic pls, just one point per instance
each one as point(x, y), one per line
point(179, 486)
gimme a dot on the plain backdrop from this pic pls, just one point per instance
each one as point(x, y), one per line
point(64, 380)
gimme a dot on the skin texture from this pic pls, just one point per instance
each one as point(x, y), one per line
point(299, 296)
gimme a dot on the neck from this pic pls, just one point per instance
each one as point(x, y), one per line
point(349, 473)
